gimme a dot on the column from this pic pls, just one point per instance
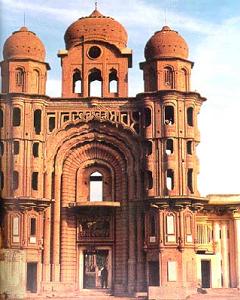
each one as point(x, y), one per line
point(47, 230)
point(140, 259)
point(237, 249)
point(216, 279)
point(56, 229)
point(132, 249)
point(225, 259)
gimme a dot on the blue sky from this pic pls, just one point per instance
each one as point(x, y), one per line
point(212, 31)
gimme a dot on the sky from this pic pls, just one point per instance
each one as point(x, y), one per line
point(212, 31)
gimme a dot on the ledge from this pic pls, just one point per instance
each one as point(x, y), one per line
point(25, 203)
point(94, 204)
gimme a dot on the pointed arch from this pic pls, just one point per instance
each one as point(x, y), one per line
point(20, 79)
point(169, 77)
point(96, 186)
point(184, 79)
point(36, 81)
point(113, 81)
point(77, 82)
point(95, 83)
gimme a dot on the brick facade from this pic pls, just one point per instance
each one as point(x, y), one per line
point(88, 181)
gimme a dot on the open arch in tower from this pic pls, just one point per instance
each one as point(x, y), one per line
point(95, 87)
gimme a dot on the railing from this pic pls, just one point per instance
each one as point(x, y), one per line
point(205, 238)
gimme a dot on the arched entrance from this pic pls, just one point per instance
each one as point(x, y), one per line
point(89, 233)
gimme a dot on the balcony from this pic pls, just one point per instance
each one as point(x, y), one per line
point(205, 242)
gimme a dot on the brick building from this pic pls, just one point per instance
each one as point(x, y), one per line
point(98, 178)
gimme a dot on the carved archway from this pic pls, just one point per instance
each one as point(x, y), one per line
point(86, 146)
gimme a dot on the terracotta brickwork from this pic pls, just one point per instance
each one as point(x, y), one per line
point(91, 180)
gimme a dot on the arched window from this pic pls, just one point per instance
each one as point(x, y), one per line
point(16, 121)
point(35, 181)
point(189, 147)
point(113, 81)
point(32, 230)
point(77, 82)
point(1, 148)
point(96, 187)
point(149, 180)
point(152, 224)
point(37, 121)
point(170, 228)
point(184, 79)
point(19, 77)
point(188, 228)
point(1, 118)
point(15, 182)
point(36, 81)
point(169, 115)
point(95, 83)
point(147, 116)
point(170, 179)
point(148, 146)
point(190, 180)
point(168, 77)
point(1, 180)
point(152, 79)
point(190, 116)
point(35, 149)
point(15, 229)
point(169, 146)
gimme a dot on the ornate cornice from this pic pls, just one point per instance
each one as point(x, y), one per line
point(23, 203)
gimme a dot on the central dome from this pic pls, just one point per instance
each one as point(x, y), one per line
point(96, 27)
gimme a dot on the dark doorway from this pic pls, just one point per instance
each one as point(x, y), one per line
point(32, 277)
point(153, 273)
point(94, 261)
point(206, 271)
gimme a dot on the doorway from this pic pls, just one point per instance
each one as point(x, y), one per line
point(153, 278)
point(94, 261)
point(206, 273)
point(32, 277)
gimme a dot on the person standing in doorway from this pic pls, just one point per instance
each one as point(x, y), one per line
point(104, 277)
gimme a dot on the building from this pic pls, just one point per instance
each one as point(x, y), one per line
point(98, 178)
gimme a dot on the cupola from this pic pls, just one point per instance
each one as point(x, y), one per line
point(24, 44)
point(24, 69)
point(96, 27)
point(166, 43)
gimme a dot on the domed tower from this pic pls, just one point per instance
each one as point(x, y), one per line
point(96, 59)
point(172, 135)
point(22, 129)
point(24, 69)
point(171, 111)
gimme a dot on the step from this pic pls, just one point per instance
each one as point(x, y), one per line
point(222, 291)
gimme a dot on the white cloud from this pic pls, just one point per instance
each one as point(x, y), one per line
point(134, 13)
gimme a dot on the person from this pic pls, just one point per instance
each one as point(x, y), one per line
point(104, 277)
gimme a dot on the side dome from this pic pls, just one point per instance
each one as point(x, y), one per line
point(96, 27)
point(166, 43)
point(24, 44)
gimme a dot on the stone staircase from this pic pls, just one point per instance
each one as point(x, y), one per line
point(86, 294)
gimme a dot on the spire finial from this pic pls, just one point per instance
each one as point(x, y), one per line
point(165, 16)
point(96, 5)
point(24, 19)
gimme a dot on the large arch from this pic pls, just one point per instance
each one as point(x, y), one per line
point(81, 146)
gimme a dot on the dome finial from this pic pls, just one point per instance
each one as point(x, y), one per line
point(96, 4)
